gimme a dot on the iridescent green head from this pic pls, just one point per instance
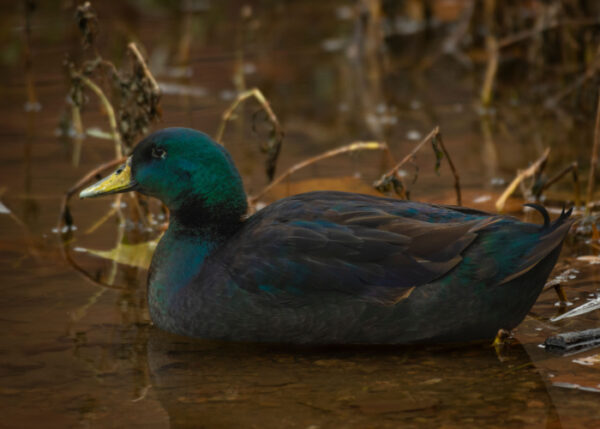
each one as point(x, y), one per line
point(185, 169)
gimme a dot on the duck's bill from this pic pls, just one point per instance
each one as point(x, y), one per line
point(119, 181)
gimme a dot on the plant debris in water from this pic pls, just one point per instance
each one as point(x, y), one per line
point(548, 45)
point(134, 94)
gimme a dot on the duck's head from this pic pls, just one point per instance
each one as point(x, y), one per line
point(185, 169)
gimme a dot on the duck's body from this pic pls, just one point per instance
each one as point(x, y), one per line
point(332, 267)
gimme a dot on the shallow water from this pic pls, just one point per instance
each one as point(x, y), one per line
point(76, 354)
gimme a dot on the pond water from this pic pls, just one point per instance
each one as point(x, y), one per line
point(77, 354)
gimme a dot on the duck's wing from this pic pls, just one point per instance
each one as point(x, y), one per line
point(368, 252)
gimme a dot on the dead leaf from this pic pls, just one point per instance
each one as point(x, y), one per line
point(592, 259)
point(593, 360)
point(135, 255)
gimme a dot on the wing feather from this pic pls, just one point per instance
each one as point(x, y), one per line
point(350, 248)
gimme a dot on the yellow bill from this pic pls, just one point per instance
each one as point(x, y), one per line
point(119, 181)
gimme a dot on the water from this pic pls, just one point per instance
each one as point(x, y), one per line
point(75, 354)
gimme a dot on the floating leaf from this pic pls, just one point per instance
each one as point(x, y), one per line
point(135, 255)
point(4, 209)
point(592, 259)
point(593, 360)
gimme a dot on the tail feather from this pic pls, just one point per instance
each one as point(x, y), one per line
point(564, 216)
point(554, 234)
point(542, 210)
point(551, 226)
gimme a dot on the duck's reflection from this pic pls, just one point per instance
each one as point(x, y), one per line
point(216, 384)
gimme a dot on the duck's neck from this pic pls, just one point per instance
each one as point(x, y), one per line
point(180, 255)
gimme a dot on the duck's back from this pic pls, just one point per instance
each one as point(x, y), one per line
point(333, 267)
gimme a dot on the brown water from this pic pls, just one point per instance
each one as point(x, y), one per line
point(75, 354)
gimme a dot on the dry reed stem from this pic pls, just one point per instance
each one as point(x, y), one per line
point(394, 170)
point(258, 95)
point(593, 161)
point(79, 133)
point(527, 34)
point(434, 134)
point(494, 46)
point(590, 71)
point(573, 169)
point(491, 44)
point(490, 71)
point(110, 112)
point(438, 136)
point(140, 60)
point(522, 175)
point(352, 147)
point(451, 44)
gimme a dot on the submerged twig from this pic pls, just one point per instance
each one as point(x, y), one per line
point(81, 183)
point(80, 312)
point(85, 273)
point(353, 147)
point(522, 175)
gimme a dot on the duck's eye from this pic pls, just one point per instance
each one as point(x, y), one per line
point(158, 153)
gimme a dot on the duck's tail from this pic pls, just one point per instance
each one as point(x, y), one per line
point(552, 235)
point(551, 226)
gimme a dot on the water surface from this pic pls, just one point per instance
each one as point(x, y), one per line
point(76, 354)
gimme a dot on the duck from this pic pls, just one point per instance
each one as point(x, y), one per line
point(326, 267)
